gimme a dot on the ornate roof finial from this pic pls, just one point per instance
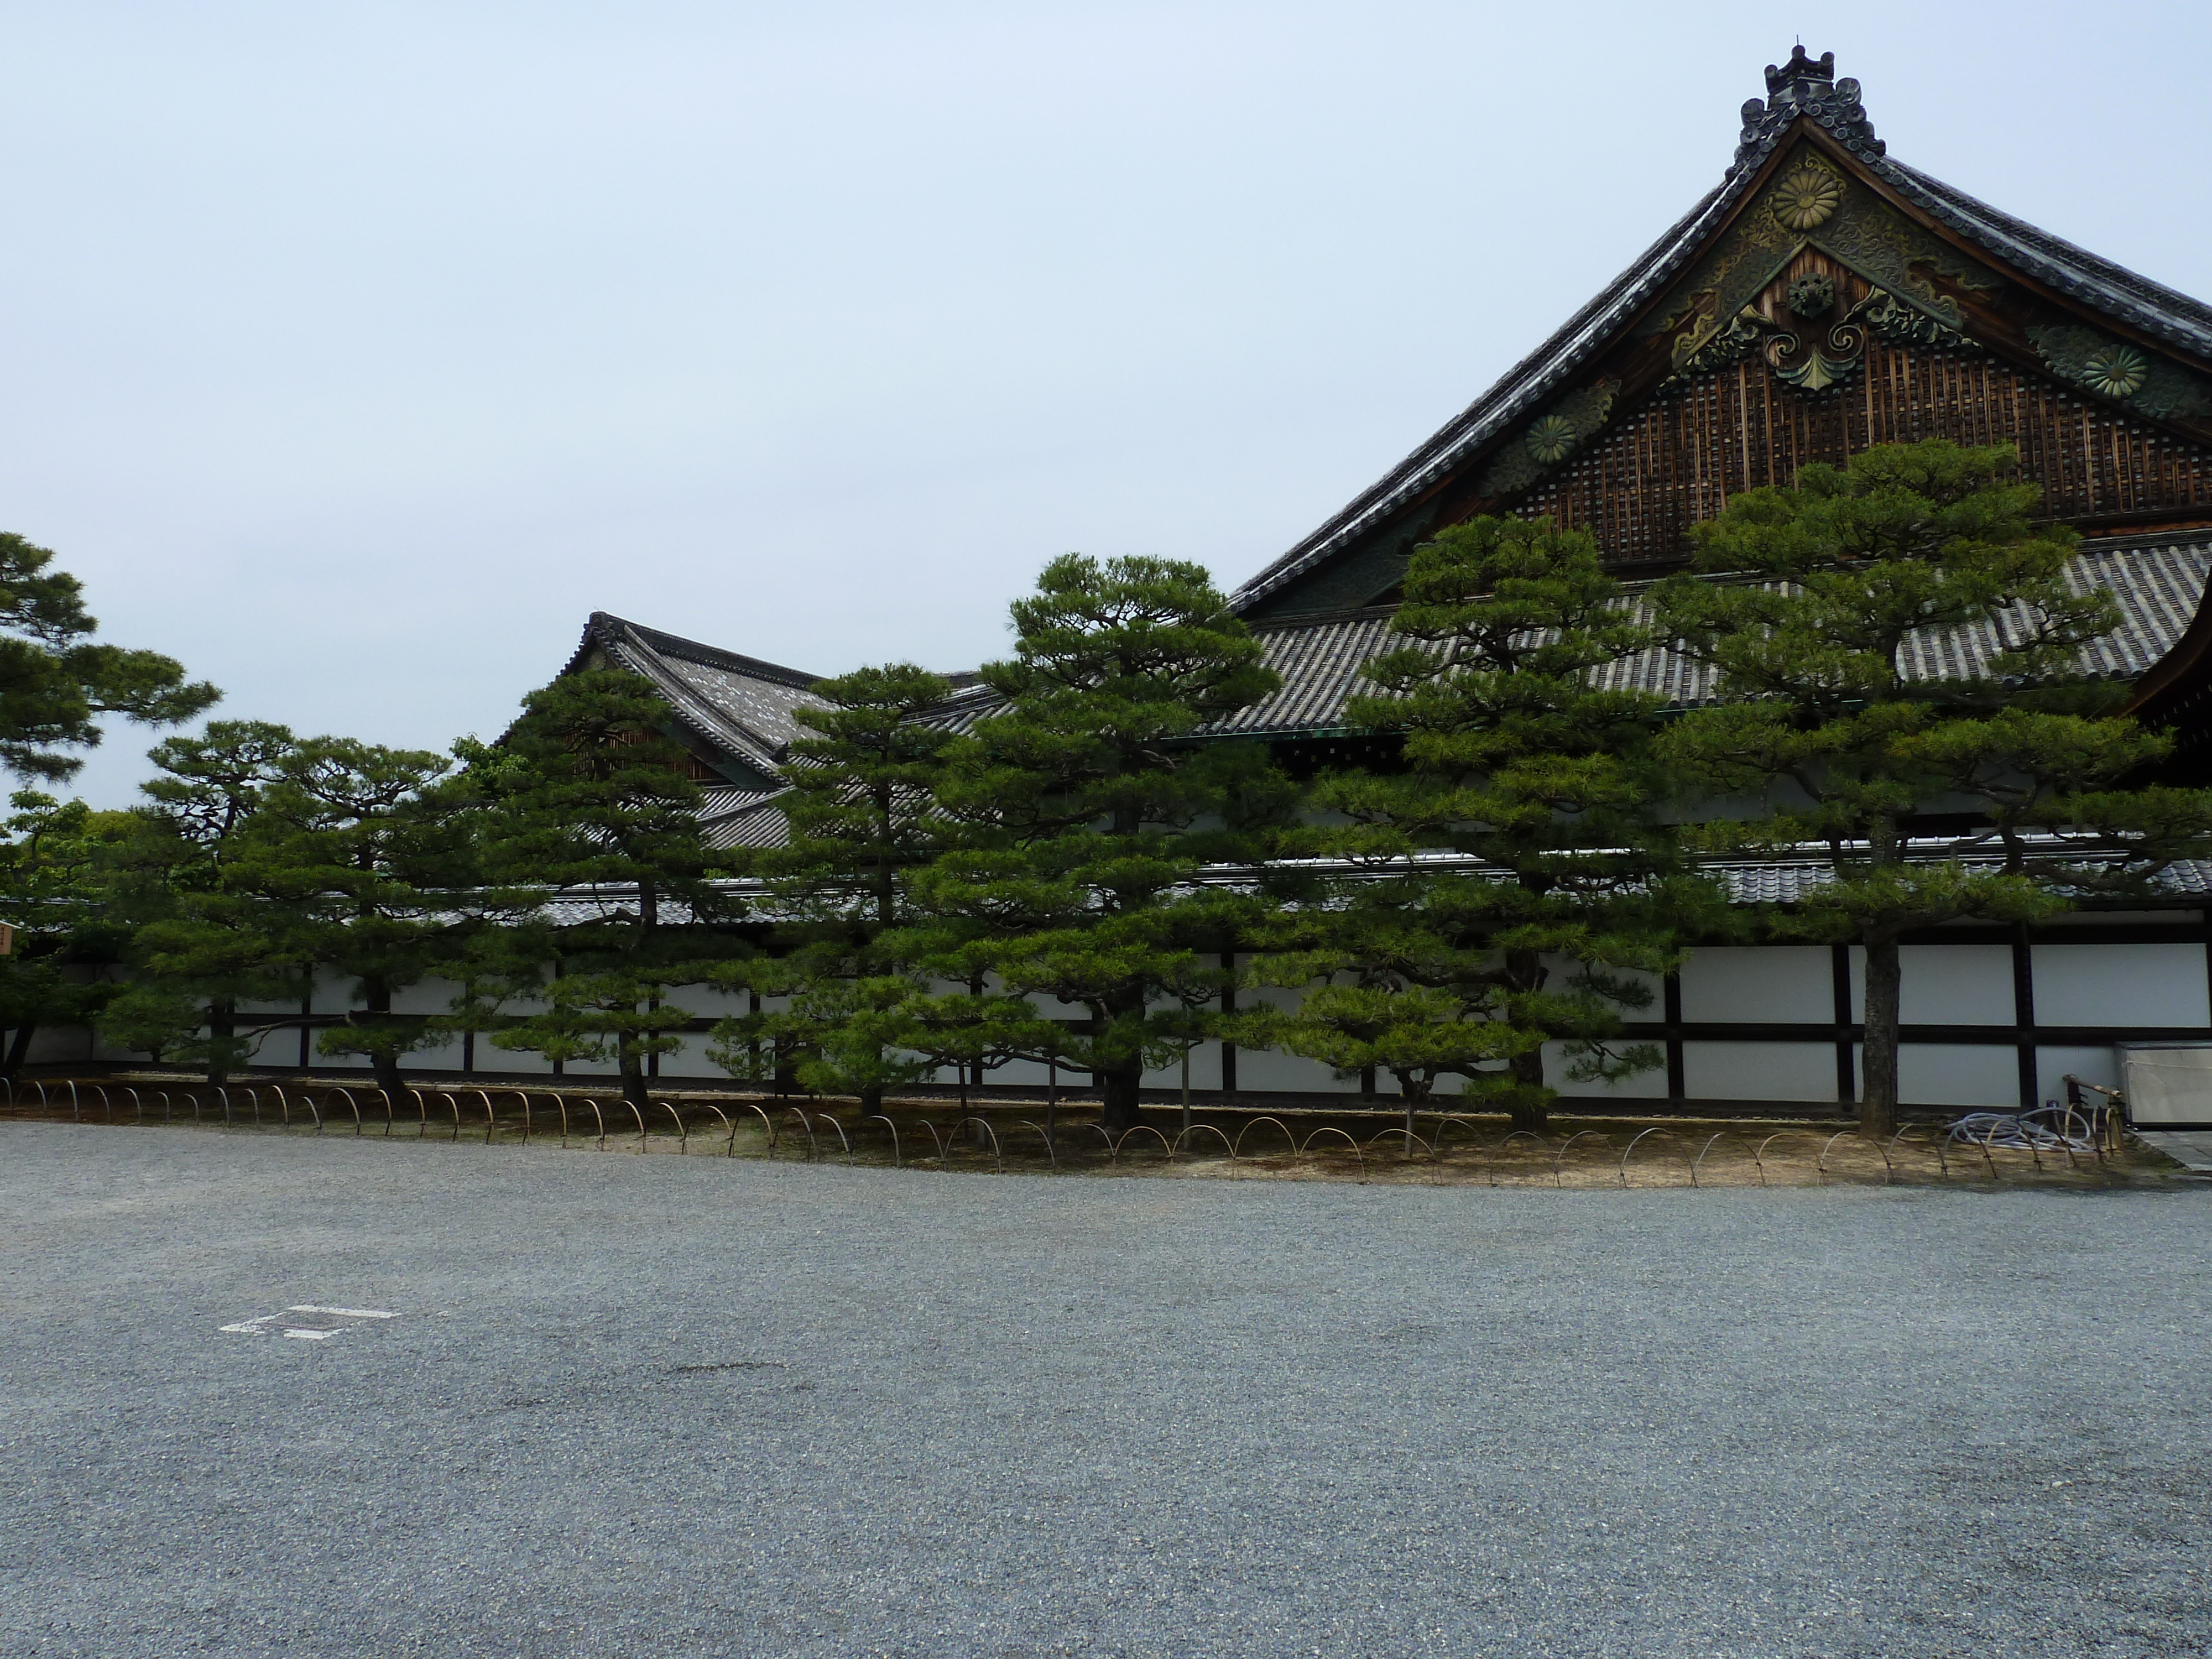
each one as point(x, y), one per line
point(1806, 86)
point(1801, 68)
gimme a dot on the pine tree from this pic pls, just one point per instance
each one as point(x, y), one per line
point(587, 802)
point(1809, 602)
point(369, 852)
point(1510, 887)
point(1101, 810)
point(863, 816)
point(211, 938)
point(58, 863)
point(55, 683)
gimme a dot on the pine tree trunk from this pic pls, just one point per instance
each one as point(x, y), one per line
point(222, 1023)
point(632, 1074)
point(1878, 1066)
point(1119, 1112)
point(1530, 1109)
point(19, 1051)
point(385, 1065)
point(1525, 971)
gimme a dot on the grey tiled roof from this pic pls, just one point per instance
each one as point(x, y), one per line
point(1320, 659)
point(758, 822)
point(1834, 106)
point(2157, 583)
point(741, 704)
point(1790, 881)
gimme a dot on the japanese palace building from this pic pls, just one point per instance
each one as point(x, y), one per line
point(1823, 297)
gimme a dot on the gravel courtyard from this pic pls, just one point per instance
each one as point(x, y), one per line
point(638, 1406)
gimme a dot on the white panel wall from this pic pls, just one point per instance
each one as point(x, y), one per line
point(1644, 1085)
point(1784, 984)
point(1260, 1070)
point(1564, 968)
point(1946, 984)
point(1263, 1070)
point(690, 1060)
point(2053, 1065)
point(432, 996)
point(2119, 984)
point(1958, 1074)
point(1205, 1070)
point(1953, 985)
point(1759, 1071)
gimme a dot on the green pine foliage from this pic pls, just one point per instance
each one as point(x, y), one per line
point(587, 802)
point(1094, 814)
point(55, 681)
point(1512, 887)
point(1807, 602)
point(58, 863)
point(215, 945)
point(863, 816)
point(367, 850)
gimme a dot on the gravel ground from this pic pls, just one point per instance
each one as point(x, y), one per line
point(635, 1405)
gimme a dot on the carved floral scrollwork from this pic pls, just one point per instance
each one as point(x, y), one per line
point(1904, 325)
point(1816, 367)
point(1814, 364)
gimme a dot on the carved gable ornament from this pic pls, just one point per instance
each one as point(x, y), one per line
point(1569, 424)
point(2126, 374)
point(1811, 204)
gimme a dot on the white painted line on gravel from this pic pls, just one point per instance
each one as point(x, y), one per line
point(309, 1329)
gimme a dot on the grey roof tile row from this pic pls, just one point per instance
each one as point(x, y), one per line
point(2157, 584)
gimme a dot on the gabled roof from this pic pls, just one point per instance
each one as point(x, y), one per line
point(1803, 97)
point(740, 705)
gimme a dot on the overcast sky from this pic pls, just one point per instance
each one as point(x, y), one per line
point(354, 354)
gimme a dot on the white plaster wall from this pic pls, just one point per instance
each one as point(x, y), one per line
point(1205, 1070)
point(707, 1001)
point(1978, 1075)
point(1263, 1070)
point(1644, 1085)
point(1790, 984)
point(1564, 968)
point(2119, 985)
point(1945, 984)
point(690, 1060)
point(431, 996)
point(443, 1057)
point(1759, 1071)
point(2052, 1066)
point(520, 1062)
point(1952, 984)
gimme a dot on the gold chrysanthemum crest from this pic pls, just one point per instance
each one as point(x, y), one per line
point(2118, 371)
point(1805, 195)
point(1550, 438)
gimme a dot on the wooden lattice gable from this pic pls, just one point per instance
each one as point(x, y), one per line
point(1822, 298)
point(734, 713)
